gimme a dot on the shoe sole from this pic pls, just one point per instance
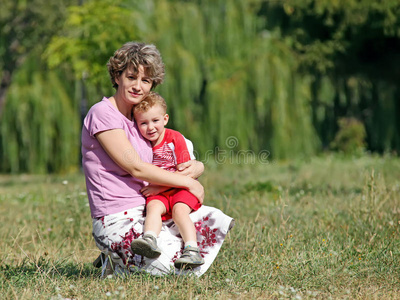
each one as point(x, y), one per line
point(142, 248)
point(183, 265)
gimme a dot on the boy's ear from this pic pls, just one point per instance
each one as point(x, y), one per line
point(166, 119)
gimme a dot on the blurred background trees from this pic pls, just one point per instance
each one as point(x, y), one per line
point(277, 76)
point(351, 49)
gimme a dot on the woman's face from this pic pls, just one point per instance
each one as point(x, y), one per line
point(132, 88)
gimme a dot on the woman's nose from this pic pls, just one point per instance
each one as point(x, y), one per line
point(136, 85)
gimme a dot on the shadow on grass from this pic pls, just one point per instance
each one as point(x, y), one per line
point(47, 268)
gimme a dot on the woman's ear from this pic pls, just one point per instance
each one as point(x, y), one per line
point(118, 77)
point(166, 118)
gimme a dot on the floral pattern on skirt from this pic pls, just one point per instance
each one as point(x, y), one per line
point(114, 234)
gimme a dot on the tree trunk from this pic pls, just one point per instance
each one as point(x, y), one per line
point(5, 84)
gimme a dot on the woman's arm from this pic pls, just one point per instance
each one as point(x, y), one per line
point(118, 147)
point(191, 168)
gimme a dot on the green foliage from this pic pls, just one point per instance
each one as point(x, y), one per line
point(40, 125)
point(350, 138)
point(25, 29)
point(271, 76)
point(24, 23)
point(327, 228)
point(91, 33)
point(39, 128)
point(328, 33)
point(353, 46)
point(224, 78)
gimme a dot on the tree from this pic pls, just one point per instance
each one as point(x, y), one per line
point(224, 77)
point(30, 142)
point(26, 28)
point(352, 48)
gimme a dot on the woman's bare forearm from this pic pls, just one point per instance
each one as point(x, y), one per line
point(117, 146)
point(156, 175)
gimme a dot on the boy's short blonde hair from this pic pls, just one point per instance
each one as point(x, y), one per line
point(151, 100)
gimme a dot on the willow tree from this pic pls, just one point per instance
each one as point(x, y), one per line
point(352, 48)
point(226, 78)
point(229, 85)
point(38, 120)
point(40, 123)
point(25, 26)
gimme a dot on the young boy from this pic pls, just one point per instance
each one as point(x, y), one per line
point(170, 148)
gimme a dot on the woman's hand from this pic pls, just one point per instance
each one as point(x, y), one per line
point(191, 168)
point(120, 150)
point(153, 189)
point(197, 189)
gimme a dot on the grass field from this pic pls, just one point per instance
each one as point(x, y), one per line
point(322, 228)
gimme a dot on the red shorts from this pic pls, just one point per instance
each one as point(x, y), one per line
point(171, 197)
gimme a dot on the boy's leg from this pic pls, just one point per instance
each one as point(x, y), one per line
point(147, 246)
point(180, 215)
point(154, 210)
point(191, 256)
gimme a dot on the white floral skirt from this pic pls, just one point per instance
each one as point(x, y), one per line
point(114, 234)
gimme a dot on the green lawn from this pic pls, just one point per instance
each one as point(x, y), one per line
point(325, 227)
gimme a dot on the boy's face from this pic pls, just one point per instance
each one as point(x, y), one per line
point(152, 123)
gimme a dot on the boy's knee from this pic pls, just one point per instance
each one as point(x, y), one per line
point(179, 210)
point(155, 205)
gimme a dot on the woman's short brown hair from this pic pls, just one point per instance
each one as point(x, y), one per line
point(133, 54)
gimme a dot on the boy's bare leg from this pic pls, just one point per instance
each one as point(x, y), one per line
point(180, 215)
point(154, 210)
point(147, 245)
point(191, 256)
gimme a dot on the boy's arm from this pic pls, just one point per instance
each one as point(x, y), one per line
point(154, 189)
point(182, 147)
point(186, 161)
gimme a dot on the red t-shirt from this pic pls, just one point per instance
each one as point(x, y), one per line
point(173, 150)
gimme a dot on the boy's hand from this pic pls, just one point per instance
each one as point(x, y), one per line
point(153, 189)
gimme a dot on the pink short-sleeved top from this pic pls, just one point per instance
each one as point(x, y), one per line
point(110, 189)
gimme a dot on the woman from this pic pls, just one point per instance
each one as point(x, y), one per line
point(117, 165)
